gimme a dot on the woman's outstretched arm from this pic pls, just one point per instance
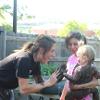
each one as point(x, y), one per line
point(26, 88)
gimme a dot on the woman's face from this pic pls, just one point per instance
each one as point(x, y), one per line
point(73, 45)
point(48, 55)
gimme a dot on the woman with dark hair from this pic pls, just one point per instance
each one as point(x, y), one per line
point(16, 68)
point(83, 72)
point(76, 35)
point(72, 41)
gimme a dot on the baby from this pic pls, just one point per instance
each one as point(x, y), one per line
point(83, 73)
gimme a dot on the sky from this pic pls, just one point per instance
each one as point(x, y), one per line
point(64, 9)
point(81, 10)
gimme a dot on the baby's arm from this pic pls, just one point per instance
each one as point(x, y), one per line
point(73, 78)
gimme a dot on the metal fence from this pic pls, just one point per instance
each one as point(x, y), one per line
point(12, 41)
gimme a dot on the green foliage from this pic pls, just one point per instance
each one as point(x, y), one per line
point(48, 69)
point(3, 19)
point(22, 14)
point(71, 26)
point(1, 13)
point(7, 27)
point(97, 32)
point(4, 9)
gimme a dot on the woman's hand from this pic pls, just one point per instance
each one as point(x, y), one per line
point(75, 87)
point(93, 83)
point(52, 80)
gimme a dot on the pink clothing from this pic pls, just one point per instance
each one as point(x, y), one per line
point(71, 63)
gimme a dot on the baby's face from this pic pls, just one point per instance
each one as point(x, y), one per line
point(82, 59)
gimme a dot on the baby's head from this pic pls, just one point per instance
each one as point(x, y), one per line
point(85, 54)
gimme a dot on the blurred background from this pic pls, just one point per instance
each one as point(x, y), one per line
point(52, 17)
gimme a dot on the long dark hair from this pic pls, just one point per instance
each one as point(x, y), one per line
point(42, 41)
point(77, 35)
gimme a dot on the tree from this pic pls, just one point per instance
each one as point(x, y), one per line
point(4, 10)
point(97, 32)
point(71, 26)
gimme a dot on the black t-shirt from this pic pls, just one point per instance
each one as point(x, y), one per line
point(17, 65)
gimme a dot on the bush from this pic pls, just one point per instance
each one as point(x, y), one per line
point(48, 69)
